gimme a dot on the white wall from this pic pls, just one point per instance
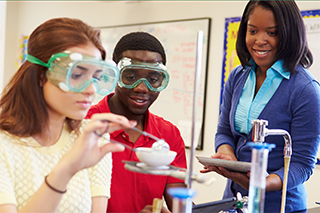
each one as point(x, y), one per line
point(2, 38)
point(23, 17)
point(11, 39)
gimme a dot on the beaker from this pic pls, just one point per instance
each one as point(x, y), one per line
point(181, 199)
point(257, 187)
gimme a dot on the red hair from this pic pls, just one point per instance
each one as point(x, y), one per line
point(23, 107)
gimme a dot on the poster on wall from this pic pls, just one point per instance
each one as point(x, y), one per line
point(23, 41)
point(230, 59)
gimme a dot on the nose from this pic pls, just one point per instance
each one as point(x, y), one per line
point(90, 89)
point(261, 39)
point(142, 87)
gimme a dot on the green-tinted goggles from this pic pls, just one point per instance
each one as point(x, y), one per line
point(74, 71)
point(132, 73)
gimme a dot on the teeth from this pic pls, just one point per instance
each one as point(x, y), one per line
point(140, 101)
point(262, 52)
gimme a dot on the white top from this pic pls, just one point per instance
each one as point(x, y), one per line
point(24, 163)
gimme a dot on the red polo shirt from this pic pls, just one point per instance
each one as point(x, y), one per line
point(132, 191)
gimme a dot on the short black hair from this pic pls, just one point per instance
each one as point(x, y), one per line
point(293, 47)
point(138, 41)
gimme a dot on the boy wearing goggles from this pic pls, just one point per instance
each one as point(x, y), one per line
point(141, 60)
point(132, 73)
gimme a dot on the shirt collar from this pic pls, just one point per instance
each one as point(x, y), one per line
point(278, 67)
point(252, 64)
point(146, 127)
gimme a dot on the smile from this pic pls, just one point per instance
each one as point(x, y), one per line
point(262, 52)
point(139, 100)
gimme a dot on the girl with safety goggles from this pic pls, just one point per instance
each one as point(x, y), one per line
point(44, 136)
point(74, 71)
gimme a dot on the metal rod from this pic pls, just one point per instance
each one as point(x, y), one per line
point(188, 180)
point(146, 133)
point(287, 140)
point(134, 128)
point(259, 133)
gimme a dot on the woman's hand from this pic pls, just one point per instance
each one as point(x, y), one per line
point(225, 152)
point(215, 168)
point(86, 150)
point(240, 178)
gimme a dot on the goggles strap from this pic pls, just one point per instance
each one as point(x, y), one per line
point(35, 60)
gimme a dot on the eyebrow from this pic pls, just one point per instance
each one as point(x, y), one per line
point(149, 61)
point(82, 68)
point(86, 69)
point(251, 25)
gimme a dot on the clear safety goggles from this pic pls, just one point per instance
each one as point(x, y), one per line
point(132, 73)
point(74, 71)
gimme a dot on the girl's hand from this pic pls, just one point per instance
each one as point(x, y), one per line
point(86, 151)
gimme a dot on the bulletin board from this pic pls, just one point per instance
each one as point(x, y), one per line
point(230, 59)
point(179, 38)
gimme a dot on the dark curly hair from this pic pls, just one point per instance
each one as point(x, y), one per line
point(138, 41)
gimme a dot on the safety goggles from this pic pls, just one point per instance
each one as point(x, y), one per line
point(132, 73)
point(74, 71)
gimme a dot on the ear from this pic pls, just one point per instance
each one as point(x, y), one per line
point(42, 79)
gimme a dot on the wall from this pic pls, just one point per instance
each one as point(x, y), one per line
point(23, 17)
point(2, 33)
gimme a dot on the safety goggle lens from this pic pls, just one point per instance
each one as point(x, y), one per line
point(130, 76)
point(132, 73)
point(83, 71)
point(82, 74)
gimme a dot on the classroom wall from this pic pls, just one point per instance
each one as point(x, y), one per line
point(23, 17)
point(2, 33)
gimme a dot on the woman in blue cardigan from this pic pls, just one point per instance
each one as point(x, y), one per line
point(273, 84)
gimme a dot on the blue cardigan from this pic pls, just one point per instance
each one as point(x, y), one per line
point(295, 107)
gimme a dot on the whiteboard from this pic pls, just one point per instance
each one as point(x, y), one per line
point(179, 41)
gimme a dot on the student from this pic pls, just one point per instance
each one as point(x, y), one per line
point(141, 60)
point(272, 84)
point(50, 159)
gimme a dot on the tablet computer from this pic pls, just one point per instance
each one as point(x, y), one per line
point(237, 166)
point(216, 206)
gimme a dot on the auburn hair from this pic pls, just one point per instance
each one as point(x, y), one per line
point(22, 105)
